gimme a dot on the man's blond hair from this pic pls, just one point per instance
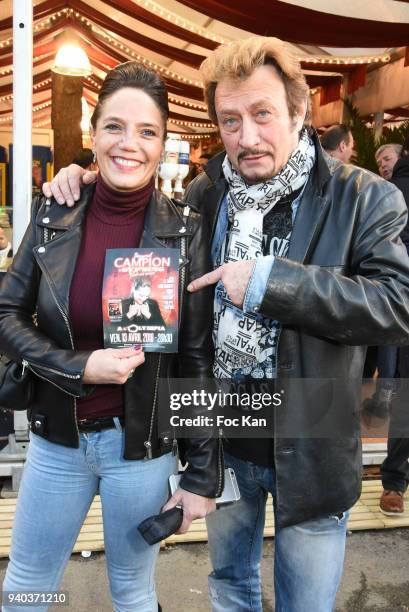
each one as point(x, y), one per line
point(239, 59)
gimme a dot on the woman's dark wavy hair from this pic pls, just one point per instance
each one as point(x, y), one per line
point(133, 74)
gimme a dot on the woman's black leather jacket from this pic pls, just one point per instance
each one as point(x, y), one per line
point(39, 282)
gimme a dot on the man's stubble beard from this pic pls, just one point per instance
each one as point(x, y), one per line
point(253, 178)
point(264, 178)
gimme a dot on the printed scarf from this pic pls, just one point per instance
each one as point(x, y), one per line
point(243, 340)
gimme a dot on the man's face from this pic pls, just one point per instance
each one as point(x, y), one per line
point(257, 131)
point(201, 164)
point(346, 149)
point(386, 162)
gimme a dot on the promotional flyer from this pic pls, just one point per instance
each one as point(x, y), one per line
point(140, 299)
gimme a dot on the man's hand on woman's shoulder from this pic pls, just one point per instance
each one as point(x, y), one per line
point(67, 183)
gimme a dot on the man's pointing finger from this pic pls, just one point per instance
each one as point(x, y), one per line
point(207, 279)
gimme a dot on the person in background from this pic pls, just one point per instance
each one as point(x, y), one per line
point(5, 248)
point(338, 142)
point(393, 163)
point(86, 159)
point(400, 178)
point(303, 284)
point(379, 404)
point(386, 157)
point(196, 168)
point(94, 418)
point(202, 161)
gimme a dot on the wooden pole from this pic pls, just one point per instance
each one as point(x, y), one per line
point(66, 118)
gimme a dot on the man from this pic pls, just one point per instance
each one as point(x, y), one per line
point(86, 159)
point(386, 157)
point(338, 142)
point(202, 161)
point(395, 468)
point(386, 356)
point(304, 261)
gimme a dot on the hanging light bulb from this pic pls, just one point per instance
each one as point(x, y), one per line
point(72, 60)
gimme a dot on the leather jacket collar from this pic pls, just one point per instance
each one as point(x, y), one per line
point(162, 218)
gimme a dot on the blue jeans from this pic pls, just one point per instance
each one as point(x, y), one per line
point(387, 361)
point(57, 489)
point(308, 557)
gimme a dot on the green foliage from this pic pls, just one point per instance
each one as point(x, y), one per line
point(364, 137)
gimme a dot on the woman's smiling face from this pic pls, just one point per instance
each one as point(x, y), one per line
point(128, 139)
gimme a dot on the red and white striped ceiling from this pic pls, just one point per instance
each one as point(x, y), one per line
point(175, 36)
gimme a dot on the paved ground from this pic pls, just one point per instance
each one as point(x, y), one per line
point(376, 577)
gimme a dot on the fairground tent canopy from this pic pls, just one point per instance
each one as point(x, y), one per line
point(347, 48)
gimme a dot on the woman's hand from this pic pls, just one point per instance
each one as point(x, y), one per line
point(66, 184)
point(194, 506)
point(112, 366)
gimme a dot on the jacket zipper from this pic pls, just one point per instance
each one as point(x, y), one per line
point(275, 445)
point(219, 466)
point(148, 443)
point(72, 346)
point(32, 368)
point(67, 323)
point(45, 229)
point(26, 364)
point(183, 252)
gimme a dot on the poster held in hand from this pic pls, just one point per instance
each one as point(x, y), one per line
point(140, 299)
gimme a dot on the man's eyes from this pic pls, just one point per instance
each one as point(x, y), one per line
point(260, 115)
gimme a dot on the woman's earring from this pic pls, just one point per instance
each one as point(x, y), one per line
point(94, 156)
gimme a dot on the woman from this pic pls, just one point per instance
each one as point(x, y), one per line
point(94, 418)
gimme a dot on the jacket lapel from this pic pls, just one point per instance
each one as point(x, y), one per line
point(162, 220)
point(308, 223)
point(312, 209)
point(214, 193)
point(57, 257)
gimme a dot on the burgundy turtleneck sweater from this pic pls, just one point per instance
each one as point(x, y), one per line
point(114, 220)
